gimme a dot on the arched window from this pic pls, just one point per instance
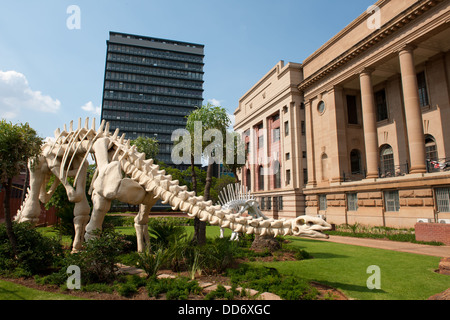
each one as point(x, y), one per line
point(248, 179)
point(261, 178)
point(431, 148)
point(387, 165)
point(325, 167)
point(355, 161)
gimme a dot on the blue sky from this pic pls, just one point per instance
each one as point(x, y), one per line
point(50, 74)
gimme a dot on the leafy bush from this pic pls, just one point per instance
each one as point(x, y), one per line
point(360, 231)
point(165, 230)
point(222, 293)
point(98, 258)
point(151, 262)
point(35, 252)
point(266, 279)
point(98, 287)
point(175, 289)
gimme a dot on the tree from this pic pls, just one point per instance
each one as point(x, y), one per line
point(211, 118)
point(147, 145)
point(19, 143)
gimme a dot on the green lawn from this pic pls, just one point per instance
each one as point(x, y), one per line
point(12, 291)
point(404, 276)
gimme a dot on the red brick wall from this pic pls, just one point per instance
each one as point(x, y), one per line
point(433, 232)
point(47, 217)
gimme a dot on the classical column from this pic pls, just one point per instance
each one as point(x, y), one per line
point(369, 113)
point(311, 164)
point(413, 112)
point(338, 154)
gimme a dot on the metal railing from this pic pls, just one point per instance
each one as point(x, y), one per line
point(354, 175)
point(393, 171)
point(441, 165)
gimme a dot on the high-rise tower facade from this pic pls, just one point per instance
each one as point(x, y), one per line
point(150, 86)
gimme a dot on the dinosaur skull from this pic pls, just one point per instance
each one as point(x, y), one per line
point(311, 227)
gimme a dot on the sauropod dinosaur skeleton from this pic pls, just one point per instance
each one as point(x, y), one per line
point(125, 174)
point(239, 199)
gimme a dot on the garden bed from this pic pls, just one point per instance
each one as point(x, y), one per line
point(324, 292)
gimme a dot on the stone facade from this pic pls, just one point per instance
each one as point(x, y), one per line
point(372, 104)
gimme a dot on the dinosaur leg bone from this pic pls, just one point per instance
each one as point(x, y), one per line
point(81, 210)
point(31, 209)
point(141, 222)
point(101, 206)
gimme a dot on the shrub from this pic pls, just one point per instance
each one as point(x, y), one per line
point(35, 252)
point(165, 230)
point(266, 279)
point(98, 287)
point(222, 293)
point(175, 289)
point(98, 258)
point(151, 262)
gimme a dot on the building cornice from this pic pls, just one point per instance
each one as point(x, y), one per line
point(280, 69)
point(400, 21)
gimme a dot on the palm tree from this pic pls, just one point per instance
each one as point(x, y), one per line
point(208, 117)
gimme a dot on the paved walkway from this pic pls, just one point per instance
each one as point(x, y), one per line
point(437, 251)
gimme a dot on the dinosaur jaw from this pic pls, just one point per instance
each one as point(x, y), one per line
point(310, 227)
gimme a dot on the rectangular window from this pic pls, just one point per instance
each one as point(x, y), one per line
point(304, 154)
point(305, 176)
point(286, 128)
point(323, 205)
point(303, 128)
point(276, 134)
point(263, 205)
point(269, 203)
point(261, 142)
point(381, 105)
point(443, 199)
point(352, 111)
point(391, 201)
point(288, 156)
point(288, 177)
point(352, 201)
point(279, 203)
point(423, 91)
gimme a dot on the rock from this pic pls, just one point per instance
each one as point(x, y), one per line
point(441, 296)
point(444, 266)
point(269, 296)
point(262, 243)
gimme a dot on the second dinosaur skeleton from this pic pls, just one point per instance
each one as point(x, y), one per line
point(240, 201)
point(125, 174)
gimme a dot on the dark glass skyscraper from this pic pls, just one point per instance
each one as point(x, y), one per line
point(150, 86)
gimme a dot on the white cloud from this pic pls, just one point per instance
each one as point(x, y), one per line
point(214, 102)
point(15, 94)
point(89, 107)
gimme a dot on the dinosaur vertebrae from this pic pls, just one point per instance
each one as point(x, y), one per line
point(170, 192)
point(133, 163)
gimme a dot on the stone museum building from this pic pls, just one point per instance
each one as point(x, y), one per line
point(359, 131)
point(150, 86)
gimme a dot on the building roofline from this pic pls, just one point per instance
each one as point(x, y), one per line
point(176, 42)
point(280, 68)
